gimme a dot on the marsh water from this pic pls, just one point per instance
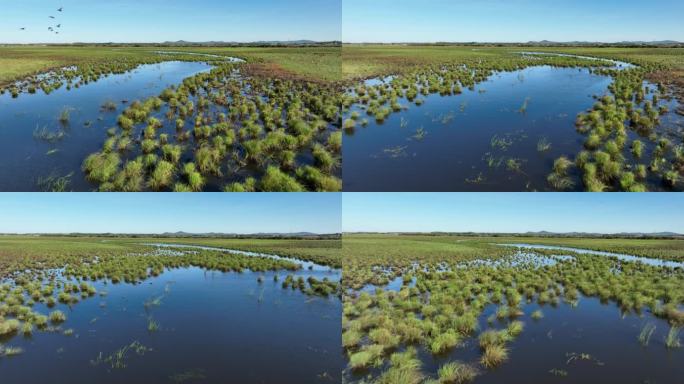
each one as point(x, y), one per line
point(543, 352)
point(485, 139)
point(586, 341)
point(29, 162)
point(620, 256)
point(214, 327)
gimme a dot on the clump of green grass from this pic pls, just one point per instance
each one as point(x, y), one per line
point(351, 338)
point(101, 167)
point(57, 317)
point(537, 315)
point(65, 115)
point(152, 325)
point(276, 181)
point(456, 372)
point(494, 355)
point(162, 176)
point(444, 342)
point(515, 328)
point(195, 179)
point(543, 145)
point(349, 124)
point(368, 356)
point(8, 327)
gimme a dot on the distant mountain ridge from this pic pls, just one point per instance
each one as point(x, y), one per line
point(642, 235)
point(542, 43)
point(182, 234)
point(575, 43)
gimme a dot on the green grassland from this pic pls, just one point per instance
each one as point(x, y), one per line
point(18, 253)
point(443, 294)
point(404, 248)
point(326, 252)
point(364, 61)
point(314, 63)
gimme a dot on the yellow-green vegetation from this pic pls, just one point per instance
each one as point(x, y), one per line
point(59, 271)
point(372, 60)
point(612, 159)
point(310, 63)
point(447, 281)
point(244, 133)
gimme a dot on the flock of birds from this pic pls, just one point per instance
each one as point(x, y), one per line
point(51, 29)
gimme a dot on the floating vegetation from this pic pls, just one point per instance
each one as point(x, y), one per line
point(646, 333)
point(431, 292)
point(501, 143)
point(672, 338)
point(118, 358)
point(395, 152)
point(191, 375)
point(54, 183)
point(46, 134)
point(420, 134)
point(543, 145)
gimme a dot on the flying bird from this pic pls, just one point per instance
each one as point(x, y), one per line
point(59, 25)
point(60, 9)
point(22, 29)
point(52, 17)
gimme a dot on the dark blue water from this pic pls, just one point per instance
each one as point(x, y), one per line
point(600, 330)
point(224, 327)
point(447, 143)
point(25, 160)
point(608, 336)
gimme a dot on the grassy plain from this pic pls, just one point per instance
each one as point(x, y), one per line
point(363, 61)
point(315, 63)
point(442, 299)
point(18, 253)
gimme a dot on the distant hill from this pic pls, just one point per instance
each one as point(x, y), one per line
point(624, 235)
point(265, 43)
point(595, 43)
point(182, 234)
point(544, 43)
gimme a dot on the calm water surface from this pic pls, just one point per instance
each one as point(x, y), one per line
point(465, 142)
point(214, 327)
point(27, 161)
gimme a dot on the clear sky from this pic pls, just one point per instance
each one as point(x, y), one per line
point(513, 212)
point(511, 20)
point(169, 20)
point(169, 212)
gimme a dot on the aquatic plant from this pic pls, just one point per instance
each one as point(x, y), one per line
point(57, 317)
point(65, 115)
point(455, 372)
point(100, 167)
point(543, 145)
point(537, 315)
point(275, 180)
point(494, 355)
point(672, 338)
point(646, 333)
point(162, 176)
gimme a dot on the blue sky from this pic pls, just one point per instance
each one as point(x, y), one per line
point(511, 20)
point(169, 212)
point(170, 20)
point(513, 212)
